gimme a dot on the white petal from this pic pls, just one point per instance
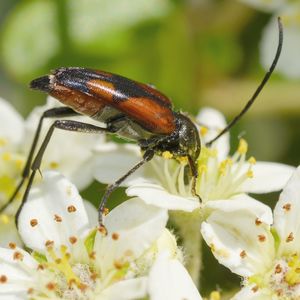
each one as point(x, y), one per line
point(130, 289)
point(47, 201)
point(9, 233)
point(112, 161)
point(268, 177)
point(156, 195)
point(239, 241)
point(215, 122)
point(247, 293)
point(12, 124)
point(169, 280)
point(92, 213)
point(264, 5)
point(289, 63)
point(19, 275)
point(286, 215)
point(137, 226)
point(245, 204)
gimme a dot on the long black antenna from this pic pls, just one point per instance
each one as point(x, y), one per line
point(259, 89)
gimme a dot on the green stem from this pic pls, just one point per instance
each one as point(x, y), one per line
point(188, 227)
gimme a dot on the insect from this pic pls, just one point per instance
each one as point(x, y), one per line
point(129, 109)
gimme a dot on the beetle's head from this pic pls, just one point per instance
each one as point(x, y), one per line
point(188, 137)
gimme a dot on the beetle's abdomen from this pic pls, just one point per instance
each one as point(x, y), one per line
point(80, 102)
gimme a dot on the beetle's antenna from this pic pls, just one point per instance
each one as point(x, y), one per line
point(259, 89)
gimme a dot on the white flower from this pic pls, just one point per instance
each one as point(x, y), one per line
point(162, 182)
point(267, 257)
point(68, 152)
point(71, 259)
point(289, 11)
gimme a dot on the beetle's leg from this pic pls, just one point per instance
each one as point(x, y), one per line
point(148, 155)
point(56, 112)
point(195, 176)
point(68, 125)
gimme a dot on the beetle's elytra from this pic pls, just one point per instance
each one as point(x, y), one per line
point(129, 109)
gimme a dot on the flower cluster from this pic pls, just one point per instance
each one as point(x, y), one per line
point(62, 253)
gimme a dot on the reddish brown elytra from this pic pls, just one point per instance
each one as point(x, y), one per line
point(131, 110)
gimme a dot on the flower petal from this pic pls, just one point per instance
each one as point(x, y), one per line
point(215, 122)
point(9, 233)
point(286, 215)
point(243, 203)
point(132, 228)
point(239, 240)
point(268, 177)
point(288, 64)
point(17, 273)
point(156, 195)
point(12, 123)
point(53, 212)
point(129, 289)
point(263, 5)
point(251, 293)
point(112, 161)
point(169, 280)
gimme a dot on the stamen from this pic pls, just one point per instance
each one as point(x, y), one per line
point(243, 147)
point(203, 130)
point(4, 219)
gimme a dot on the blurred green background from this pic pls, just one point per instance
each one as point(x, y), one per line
point(198, 52)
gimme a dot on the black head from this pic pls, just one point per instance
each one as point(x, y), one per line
point(188, 137)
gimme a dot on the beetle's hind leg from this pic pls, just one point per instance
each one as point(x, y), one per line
point(68, 125)
point(56, 112)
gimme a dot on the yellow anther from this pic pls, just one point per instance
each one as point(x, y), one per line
point(224, 164)
point(6, 156)
point(252, 160)
point(215, 295)
point(202, 169)
point(183, 159)
point(167, 155)
point(250, 174)
point(53, 165)
point(4, 219)
point(203, 131)
point(3, 142)
point(243, 147)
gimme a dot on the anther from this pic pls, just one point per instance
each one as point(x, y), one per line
point(33, 222)
point(261, 237)
point(290, 238)
point(71, 209)
point(287, 206)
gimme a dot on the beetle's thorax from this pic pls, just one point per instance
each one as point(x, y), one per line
point(184, 141)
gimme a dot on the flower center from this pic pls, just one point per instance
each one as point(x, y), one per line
point(283, 280)
point(60, 276)
point(216, 179)
point(77, 276)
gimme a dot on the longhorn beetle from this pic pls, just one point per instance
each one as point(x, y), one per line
point(129, 109)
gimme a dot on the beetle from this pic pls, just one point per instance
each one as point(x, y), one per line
point(129, 109)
